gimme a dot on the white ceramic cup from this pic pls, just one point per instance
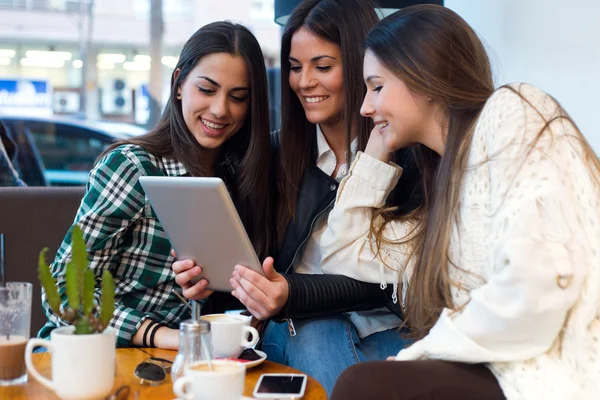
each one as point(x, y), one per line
point(229, 334)
point(83, 366)
point(225, 382)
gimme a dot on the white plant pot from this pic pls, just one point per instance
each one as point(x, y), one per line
point(83, 366)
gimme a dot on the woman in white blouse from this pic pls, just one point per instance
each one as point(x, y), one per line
point(499, 272)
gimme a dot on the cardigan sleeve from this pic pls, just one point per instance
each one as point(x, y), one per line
point(347, 246)
point(538, 269)
point(537, 262)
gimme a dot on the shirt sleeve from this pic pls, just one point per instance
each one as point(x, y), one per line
point(113, 202)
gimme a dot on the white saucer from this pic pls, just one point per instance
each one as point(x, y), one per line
point(250, 364)
point(263, 357)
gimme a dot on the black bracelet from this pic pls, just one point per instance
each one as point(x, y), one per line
point(157, 327)
point(150, 325)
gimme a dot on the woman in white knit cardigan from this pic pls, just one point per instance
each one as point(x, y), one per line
point(499, 272)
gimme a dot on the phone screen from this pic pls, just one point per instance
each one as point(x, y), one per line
point(286, 384)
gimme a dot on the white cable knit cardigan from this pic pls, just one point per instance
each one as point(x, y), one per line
point(527, 242)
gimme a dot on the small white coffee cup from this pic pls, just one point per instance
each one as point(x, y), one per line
point(83, 366)
point(224, 382)
point(229, 333)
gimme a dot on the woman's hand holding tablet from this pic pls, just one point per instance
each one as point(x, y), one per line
point(264, 296)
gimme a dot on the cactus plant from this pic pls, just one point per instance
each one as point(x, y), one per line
point(80, 283)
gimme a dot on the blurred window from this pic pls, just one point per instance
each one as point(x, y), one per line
point(67, 148)
point(39, 5)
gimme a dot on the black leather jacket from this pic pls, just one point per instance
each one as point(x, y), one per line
point(314, 295)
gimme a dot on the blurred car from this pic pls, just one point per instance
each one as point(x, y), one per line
point(59, 151)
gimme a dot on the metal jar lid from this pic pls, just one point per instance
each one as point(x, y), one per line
point(192, 326)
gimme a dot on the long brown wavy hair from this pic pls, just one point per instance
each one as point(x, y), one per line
point(436, 53)
point(346, 24)
point(172, 139)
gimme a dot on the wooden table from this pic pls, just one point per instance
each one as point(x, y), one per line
point(128, 359)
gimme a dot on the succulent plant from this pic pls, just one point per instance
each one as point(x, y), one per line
point(80, 284)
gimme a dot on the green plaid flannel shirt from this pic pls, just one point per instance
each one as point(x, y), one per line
point(124, 237)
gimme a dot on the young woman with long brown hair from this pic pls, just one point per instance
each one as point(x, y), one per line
point(215, 124)
point(335, 320)
point(499, 270)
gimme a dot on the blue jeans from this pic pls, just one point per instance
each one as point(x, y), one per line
point(325, 346)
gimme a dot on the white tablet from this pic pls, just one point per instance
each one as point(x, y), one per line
point(203, 225)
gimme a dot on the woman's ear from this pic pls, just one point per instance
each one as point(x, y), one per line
point(175, 76)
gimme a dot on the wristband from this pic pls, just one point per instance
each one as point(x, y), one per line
point(157, 327)
point(150, 325)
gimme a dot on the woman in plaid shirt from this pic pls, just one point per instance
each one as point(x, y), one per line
point(215, 124)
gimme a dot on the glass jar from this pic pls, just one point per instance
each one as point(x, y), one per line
point(194, 345)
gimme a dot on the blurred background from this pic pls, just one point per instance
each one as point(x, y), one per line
point(78, 74)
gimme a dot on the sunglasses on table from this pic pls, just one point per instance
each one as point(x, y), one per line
point(154, 370)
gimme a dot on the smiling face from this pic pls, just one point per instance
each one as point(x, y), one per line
point(402, 116)
point(317, 78)
point(215, 98)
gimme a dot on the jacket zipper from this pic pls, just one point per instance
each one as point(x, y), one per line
point(290, 323)
point(291, 327)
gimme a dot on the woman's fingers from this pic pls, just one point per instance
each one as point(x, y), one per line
point(185, 277)
point(254, 306)
point(198, 291)
point(183, 265)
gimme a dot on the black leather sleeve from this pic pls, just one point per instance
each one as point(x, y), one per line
point(316, 295)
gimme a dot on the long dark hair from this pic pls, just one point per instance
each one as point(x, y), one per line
point(346, 24)
point(171, 138)
point(435, 53)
